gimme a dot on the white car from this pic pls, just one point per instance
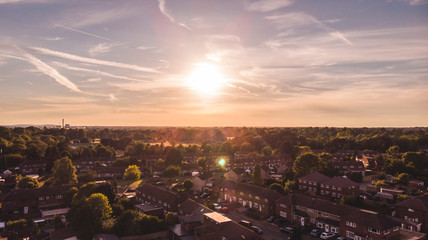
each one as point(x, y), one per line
point(217, 207)
point(326, 235)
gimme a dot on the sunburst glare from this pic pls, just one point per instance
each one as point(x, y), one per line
point(206, 78)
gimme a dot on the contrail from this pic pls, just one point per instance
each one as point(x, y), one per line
point(86, 33)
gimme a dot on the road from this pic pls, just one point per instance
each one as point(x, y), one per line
point(270, 231)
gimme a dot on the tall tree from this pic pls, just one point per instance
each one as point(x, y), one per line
point(305, 164)
point(64, 172)
point(132, 173)
point(257, 176)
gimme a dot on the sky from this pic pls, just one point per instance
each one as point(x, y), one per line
point(279, 63)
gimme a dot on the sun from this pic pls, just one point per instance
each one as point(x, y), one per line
point(206, 78)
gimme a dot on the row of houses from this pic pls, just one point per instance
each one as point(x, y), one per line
point(335, 187)
point(354, 223)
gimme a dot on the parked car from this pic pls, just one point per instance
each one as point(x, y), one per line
point(225, 209)
point(205, 195)
point(315, 232)
point(288, 230)
point(279, 222)
point(217, 207)
point(271, 218)
point(341, 238)
point(245, 223)
point(256, 229)
point(326, 235)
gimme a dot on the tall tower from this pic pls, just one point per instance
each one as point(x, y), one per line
point(63, 126)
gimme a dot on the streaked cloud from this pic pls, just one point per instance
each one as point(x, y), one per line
point(91, 60)
point(163, 9)
point(50, 71)
point(100, 48)
point(268, 5)
point(83, 32)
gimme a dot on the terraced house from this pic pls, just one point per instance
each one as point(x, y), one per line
point(254, 197)
point(157, 196)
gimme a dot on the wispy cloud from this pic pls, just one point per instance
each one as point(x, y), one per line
point(164, 11)
point(97, 72)
point(268, 5)
point(52, 38)
point(294, 20)
point(100, 49)
point(93, 80)
point(50, 71)
point(23, 1)
point(91, 60)
point(83, 32)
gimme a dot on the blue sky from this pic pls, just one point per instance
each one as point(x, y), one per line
point(277, 62)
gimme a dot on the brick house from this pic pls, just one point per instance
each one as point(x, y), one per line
point(319, 184)
point(169, 201)
point(347, 167)
point(305, 211)
point(337, 186)
point(414, 210)
point(363, 224)
point(32, 167)
point(34, 203)
point(254, 197)
point(235, 175)
point(312, 182)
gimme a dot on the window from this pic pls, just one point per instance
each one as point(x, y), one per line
point(58, 197)
point(325, 214)
point(266, 200)
point(257, 198)
point(339, 188)
point(41, 198)
point(333, 229)
point(351, 224)
point(283, 214)
point(327, 186)
point(350, 235)
point(386, 232)
point(333, 187)
point(322, 185)
point(242, 193)
point(282, 205)
point(411, 210)
point(320, 225)
point(312, 220)
point(374, 230)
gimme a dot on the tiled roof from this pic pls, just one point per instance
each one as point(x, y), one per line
point(159, 193)
point(418, 203)
point(339, 181)
point(256, 190)
point(189, 207)
point(314, 177)
point(316, 204)
point(348, 164)
point(228, 230)
point(21, 194)
point(372, 219)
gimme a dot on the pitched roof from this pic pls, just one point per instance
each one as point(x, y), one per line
point(190, 207)
point(316, 204)
point(419, 203)
point(372, 219)
point(21, 194)
point(339, 181)
point(238, 171)
point(227, 230)
point(159, 193)
point(260, 191)
point(348, 164)
point(314, 177)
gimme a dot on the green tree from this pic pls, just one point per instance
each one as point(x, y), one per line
point(226, 147)
point(173, 157)
point(290, 186)
point(83, 220)
point(277, 187)
point(128, 223)
point(402, 179)
point(172, 171)
point(132, 173)
point(170, 219)
point(100, 206)
point(69, 195)
point(257, 176)
point(28, 182)
point(64, 172)
point(305, 164)
point(188, 184)
point(267, 151)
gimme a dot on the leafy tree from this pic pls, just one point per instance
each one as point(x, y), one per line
point(305, 164)
point(402, 197)
point(226, 147)
point(28, 182)
point(290, 186)
point(257, 177)
point(267, 151)
point(173, 157)
point(172, 171)
point(126, 203)
point(128, 223)
point(100, 206)
point(202, 163)
point(188, 184)
point(356, 177)
point(69, 195)
point(86, 177)
point(13, 160)
point(277, 187)
point(170, 219)
point(108, 190)
point(64, 172)
point(83, 220)
point(402, 179)
point(132, 173)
